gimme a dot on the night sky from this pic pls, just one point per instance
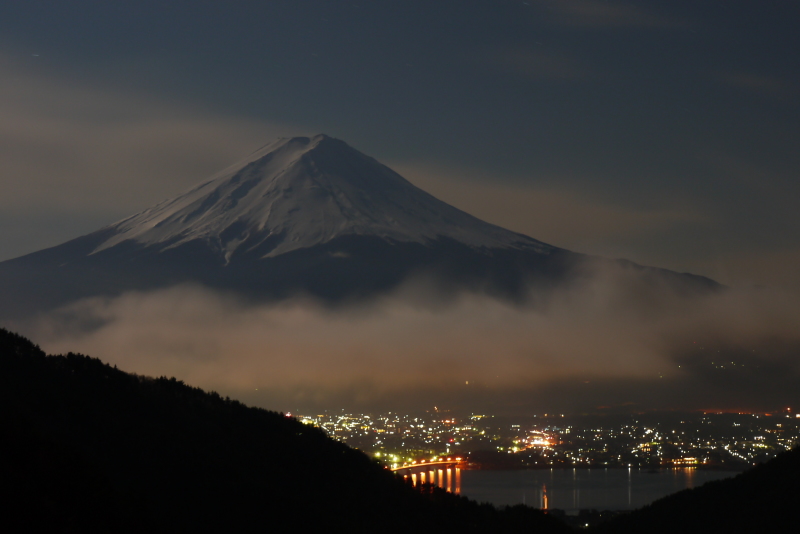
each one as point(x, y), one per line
point(664, 132)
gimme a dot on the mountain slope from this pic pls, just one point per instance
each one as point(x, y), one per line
point(763, 499)
point(302, 215)
point(89, 448)
point(299, 193)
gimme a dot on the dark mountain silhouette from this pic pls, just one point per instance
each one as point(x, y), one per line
point(763, 499)
point(309, 215)
point(88, 448)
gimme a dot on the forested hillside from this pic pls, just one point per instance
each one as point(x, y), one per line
point(763, 499)
point(87, 447)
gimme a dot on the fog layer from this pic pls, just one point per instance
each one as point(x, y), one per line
point(601, 345)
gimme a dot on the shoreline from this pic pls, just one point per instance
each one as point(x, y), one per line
point(736, 468)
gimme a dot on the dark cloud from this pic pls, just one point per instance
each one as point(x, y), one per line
point(606, 14)
point(535, 63)
point(767, 86)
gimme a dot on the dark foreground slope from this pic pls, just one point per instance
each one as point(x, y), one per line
point(86, 447)
point(763, 499)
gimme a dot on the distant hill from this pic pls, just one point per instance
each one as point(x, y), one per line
point(86, 447)
point(763, 499)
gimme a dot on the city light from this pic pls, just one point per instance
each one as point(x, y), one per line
point(556, 440)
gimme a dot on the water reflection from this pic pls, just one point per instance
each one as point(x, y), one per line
point(576, 489)
point(629, 487)
point(449, 479)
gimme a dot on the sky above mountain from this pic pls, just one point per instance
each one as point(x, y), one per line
point(665, 132)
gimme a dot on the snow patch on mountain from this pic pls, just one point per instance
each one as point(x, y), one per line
point(302, 192)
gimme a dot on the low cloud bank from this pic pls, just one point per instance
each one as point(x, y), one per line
point(600, 345)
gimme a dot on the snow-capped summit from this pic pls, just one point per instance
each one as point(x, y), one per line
point(306, 216)
point(301, 192)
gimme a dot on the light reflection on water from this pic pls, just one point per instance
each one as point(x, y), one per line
point(444, 479)
point(577, 489)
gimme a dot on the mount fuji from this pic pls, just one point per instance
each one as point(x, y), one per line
point(300, 215)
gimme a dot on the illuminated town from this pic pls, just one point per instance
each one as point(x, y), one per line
point(651, 440)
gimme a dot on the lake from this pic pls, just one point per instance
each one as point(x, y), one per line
point(577, 489)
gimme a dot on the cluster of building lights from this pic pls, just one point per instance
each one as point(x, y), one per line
point(548, 440)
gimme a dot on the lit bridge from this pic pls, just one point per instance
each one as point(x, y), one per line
point(442, 472)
